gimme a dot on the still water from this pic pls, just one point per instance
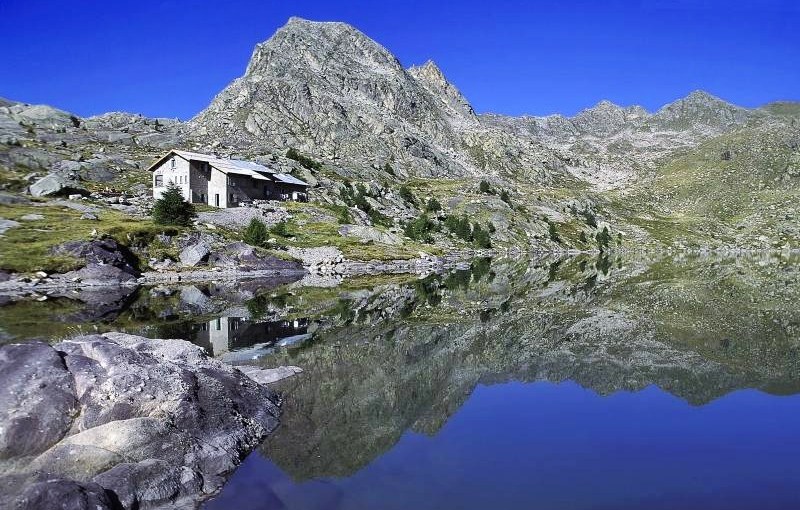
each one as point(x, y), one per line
point(575, 383)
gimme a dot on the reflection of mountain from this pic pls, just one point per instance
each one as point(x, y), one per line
point(698, 329)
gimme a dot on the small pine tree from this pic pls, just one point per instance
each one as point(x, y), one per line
point(433, 205)
point(484, 187)
point(505, 197)
point(388, 169)
point(256, 233)
point(419, 229)
point(552, 230)
point(464, 229)
point(407, 195)
point(481, 237)
point(603, 238)
point(172, 209)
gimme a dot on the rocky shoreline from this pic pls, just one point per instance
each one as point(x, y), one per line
point(119, 421)
point(106, 268)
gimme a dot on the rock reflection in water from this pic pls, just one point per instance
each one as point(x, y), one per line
point(406, 357)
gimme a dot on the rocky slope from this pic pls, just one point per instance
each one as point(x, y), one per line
point(366, 126)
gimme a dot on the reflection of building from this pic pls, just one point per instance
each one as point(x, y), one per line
point(225, 334)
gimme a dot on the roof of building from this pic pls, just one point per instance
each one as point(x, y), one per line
point(233, 166)
point(288, 179)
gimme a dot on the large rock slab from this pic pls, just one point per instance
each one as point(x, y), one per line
point(121, 421)
point(370, 234)
point(52, 184)
point(195, 254)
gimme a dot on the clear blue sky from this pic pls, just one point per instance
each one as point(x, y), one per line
point(169, 58)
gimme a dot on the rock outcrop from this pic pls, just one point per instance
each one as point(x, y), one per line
point(120, 421)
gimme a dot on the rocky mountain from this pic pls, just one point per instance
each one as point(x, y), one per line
point(328, 89)
point(342, 99)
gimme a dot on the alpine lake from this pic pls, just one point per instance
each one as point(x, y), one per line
point(610, 382)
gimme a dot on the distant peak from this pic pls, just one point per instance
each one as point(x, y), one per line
point(701, 96)
point(605, 104)
point(429, 69)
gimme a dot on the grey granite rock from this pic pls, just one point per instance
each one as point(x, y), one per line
point(194, 254)
point(52, 184)
point(120, 421)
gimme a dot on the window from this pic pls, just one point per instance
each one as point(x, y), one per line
point(172, 163)
point(159, 181)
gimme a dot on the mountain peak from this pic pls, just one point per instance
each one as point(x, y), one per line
point(430, 76)
point(700, 110)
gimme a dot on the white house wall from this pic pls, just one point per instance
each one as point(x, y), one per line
point(218, 185)
point(179, 174)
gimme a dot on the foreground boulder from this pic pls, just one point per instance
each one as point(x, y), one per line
point(120, 421)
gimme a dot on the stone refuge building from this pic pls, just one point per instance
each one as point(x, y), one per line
point(221, 182)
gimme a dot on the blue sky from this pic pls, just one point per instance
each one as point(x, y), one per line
point(169, 58)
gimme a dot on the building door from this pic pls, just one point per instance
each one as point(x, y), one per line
point(216, 199)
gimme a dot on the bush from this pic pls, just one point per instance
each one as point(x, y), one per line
point(279, 229)
point(343, 216)
point(459, 226)
point(419, 229)
point(388, 169)
point(172, 209)
point(304, 161)
point(433, 205)
point(603, 238)
point(481, 237)
point(484, 187)
point(504, 196)
point(256, 233)
point(378, 218)
point(407, 195)
point(552, 231)
point(490, 226)
point(582, 237)
point(590, 218)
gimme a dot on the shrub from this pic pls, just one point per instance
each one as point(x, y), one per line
point(343, 216)
point(490, 226)
point(481, 237)
point(407, 195)
point(433, 205)
point(459, 226)
point(504, 196)
point(172, 209)
point(378, 218)
point(552, 231)
point(388, 169)
point(484, 187)
point(590, 218)
point(304, 161)
point(419, 229)
point(582, 237)
point(279, 229)
point(256, 233)
point(603, 238)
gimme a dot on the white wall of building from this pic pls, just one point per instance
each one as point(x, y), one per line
point(175, 170)
point(218, 188)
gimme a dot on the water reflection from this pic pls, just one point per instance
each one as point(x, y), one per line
point(391, 356)
point(239, 339)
